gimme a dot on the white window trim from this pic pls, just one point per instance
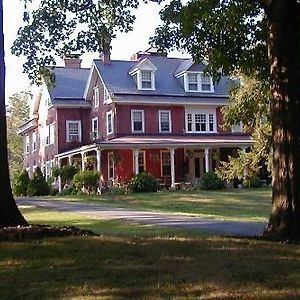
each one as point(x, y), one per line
point(161, 162)
point(110, 113)
point(207, 112)
point(51, 134)
point(132, 121)
point(144, 159)
point(109, 154)
point(199, 83)
point(95, 136)
point(237, 128)
point(27, 144)
point(96, 97)
point(170, 121)
point(34, 141)
point(67, 130)
point(139, 80)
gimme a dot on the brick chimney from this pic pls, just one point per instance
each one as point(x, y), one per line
point(72, 61)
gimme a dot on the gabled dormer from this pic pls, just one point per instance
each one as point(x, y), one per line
point(144, 74)
point(194, 78)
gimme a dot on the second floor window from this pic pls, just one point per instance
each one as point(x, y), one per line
point(34, 141)
point(27, 144)
point(73, 131)
point(94, 128)
point(96, 97)
point(200, 122)
point(164, 121)
point(109, 121)
point(137, 121)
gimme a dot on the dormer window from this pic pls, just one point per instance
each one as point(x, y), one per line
point(198, 82)
point(144, 74)
point(146, 79)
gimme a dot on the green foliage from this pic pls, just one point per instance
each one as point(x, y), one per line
point(143, 182)
point(253, 182)
point(211, 181)
point(67, 172)
point(38, 186)
point(230, 35)
point(21, 184)
point(57, 28)
point(16, 114)
point(86, 181)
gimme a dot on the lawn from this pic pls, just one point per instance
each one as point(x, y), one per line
point(137, 262)
point(239, 205)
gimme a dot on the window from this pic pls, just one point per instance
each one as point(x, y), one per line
point(27, 144)
point(200, 122)
point(94, 128)
point(51, 133)
point(109, 120)
point(237, 128)
point(111, 166)
point(164, 121)
point(73, 131)
point(137, 121)
point(141, 162)
point(34, 141)
point(198, 82)
point(206, 83)
point(48, 169)
point(165, 163)
point(146, 79)
point(96, 97)
point(193, 82)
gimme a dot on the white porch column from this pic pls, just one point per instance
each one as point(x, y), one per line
point(136, 161)
point(70, 160)
point(172, 156)
point(59, 177)
point(82, 161)
point(206, 153)
point(98, 155)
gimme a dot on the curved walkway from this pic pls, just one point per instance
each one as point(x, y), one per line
point(150, 218)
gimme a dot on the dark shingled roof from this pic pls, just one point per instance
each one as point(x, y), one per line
point(70, 83)
point(118, 80)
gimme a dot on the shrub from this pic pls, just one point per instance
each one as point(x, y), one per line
point(21, 184)
point(143, 182)
point(86, 180)
point(211, 181)
point(38, 185)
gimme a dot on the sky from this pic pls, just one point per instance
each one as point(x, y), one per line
point(126, 44)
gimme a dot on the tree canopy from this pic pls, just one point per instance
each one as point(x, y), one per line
point(60, 27)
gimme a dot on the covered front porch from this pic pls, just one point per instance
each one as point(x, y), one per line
point(172, 160)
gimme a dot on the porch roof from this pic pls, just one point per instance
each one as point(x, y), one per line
point(232, 140)
point(156, 142)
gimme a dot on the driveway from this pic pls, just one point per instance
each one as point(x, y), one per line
point(149, 218)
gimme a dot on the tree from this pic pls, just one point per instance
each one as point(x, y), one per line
point(249, 103)
point(259, 38)
point(9, 212)
point(56, 27)
point(17, 114)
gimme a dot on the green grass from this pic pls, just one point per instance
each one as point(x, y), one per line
point(252, 205)
point(119, 265)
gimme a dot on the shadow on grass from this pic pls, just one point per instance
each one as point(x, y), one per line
point(149, 268)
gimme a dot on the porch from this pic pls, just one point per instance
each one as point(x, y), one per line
point(174, 161)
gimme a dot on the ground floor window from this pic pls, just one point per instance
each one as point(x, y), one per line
point(141, 160)
point(165, 163)
point(111, 166)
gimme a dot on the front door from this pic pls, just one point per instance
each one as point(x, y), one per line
point(196, 167)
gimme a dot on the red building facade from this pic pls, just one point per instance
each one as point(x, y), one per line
point(152, 114)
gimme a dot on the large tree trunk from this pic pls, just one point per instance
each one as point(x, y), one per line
point(284, 53)
point(9, 212)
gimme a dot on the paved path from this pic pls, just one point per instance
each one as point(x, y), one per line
point(151, 218)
